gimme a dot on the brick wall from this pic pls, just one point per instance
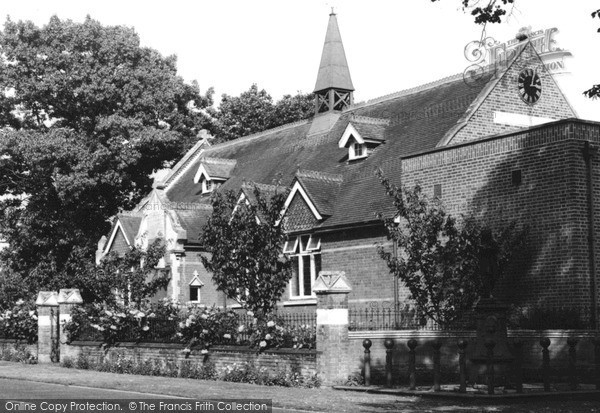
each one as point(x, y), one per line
point(505, 98)
point(552, 199)
point(303, 361)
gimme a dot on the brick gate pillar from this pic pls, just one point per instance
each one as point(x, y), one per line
point(332, 288)
point(47, 309)
point(68, 298)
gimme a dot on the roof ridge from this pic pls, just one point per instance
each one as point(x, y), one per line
point(210, 159)
point(136, 214)
point(256, 135)
point(405, 92)
point(324, 176)
point(262, 187)
point(369, 120)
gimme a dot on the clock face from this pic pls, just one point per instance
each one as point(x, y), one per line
point(530, 86)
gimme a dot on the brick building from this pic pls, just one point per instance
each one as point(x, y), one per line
point(505, 147)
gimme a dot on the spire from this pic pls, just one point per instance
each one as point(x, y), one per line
point(333, 70)
point(334, 85)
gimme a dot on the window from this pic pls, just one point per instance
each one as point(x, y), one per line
point(195, 286)
point(194, 294)
point(516, 177)
point(305, 253)
point(357, 151)
point(209, 185)
point(437, 191)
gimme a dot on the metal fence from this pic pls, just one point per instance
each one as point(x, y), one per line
point(376, 318)
point(289, 320)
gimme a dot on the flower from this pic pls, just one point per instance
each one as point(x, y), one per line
point(268, 336)
point(270, 323)
point(145, 328)
point(204, 351)
point(240, 329)
point(250, 314)
point(204, 316)
point(263, 343)
point(205, 331)
point(108, 313)
point(20, 302)
point(186, 350)
point(121, 315)
point(227, 336)
point(182, 325)
point(113, 327)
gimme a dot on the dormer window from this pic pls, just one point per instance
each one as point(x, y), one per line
point(213, 172)
point(209, 185)
point(362, 137)
point(357, 151)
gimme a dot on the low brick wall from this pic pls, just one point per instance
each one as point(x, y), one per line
point(532, 355)
point(8, 344)
point(302, 361)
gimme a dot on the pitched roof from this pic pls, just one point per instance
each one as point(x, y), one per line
point(131, 225)
point(414, 120)
point(333, 69)
point(322, 189)
point(192, 220)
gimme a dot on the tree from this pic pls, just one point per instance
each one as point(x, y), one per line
point(133, 275)
point(495, 10)
point(245, 245)
point(253, 111)
point(87, 115)
point(447, 267)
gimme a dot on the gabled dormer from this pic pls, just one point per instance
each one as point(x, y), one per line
point(362, 136)
point(213, 172)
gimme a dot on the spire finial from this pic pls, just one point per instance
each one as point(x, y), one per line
point(332, 12)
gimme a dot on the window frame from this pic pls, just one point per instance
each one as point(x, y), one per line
point(298, 276)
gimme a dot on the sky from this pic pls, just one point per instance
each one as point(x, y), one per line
point(390, 45)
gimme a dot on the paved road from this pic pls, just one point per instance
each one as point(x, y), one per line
point(23, 390)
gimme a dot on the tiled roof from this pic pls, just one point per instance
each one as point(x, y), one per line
point(192, 220)
point(414, 121)
point(131, 225)
point(321, 188)
point(219, 168)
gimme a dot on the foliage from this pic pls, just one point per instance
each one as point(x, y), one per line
point(196, 327)
point(245, 243)
point(492, 12)
point(20, 322)
point(90, 114)
point(254, 111)
point(133, 274)
point(19, 353)
point(447, 267)
point(119, 322)
point(272, 332)
point(203, 327)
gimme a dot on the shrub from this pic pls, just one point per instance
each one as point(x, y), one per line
point(18, 353)
point(203, 327)
point(20, 322)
